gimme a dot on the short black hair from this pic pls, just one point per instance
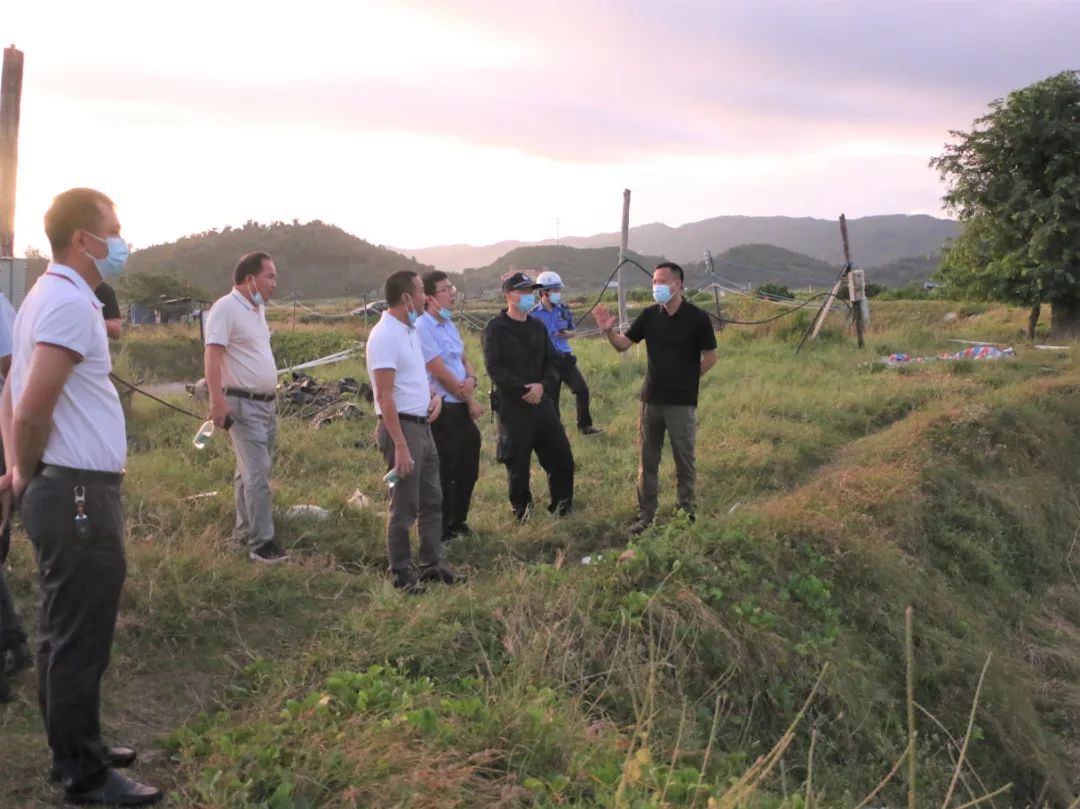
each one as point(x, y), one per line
point(671, 265)
point(75, 209)
point(397, 284)
point(432, 279)
point(249, 264)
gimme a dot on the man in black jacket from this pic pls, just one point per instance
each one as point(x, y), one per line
point(520, 361)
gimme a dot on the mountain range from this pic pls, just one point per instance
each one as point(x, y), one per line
point(874, 240)
point(319, 260)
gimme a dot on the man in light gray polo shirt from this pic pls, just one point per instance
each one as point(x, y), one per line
point(241, 377)
point(405, 405)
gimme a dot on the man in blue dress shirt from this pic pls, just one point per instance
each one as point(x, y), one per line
point(559, 322)
point(451, 375)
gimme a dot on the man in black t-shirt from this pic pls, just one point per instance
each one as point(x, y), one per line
point(110, 310)
point(681, 347)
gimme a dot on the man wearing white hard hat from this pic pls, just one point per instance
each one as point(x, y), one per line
point(559, 322)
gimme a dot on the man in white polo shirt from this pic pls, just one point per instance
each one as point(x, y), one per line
point(405, 405)
point(65, 444)
point(241, 377)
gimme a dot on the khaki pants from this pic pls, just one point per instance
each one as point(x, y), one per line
point(680, 423)
point(414, 499)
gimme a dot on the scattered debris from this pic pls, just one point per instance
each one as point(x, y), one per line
point(200, 496)
point(315, 512)
point(200, 391)
point(980, 351)
point(951, 316)
point(627, 555)
point(322, 402)
point(359, 501)
point(1053, 348)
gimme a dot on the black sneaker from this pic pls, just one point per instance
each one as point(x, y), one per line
point(455, 531)
point(640, 525)
point(5, 690)
point(562, 508)
point(443, 575)
point(406, 581)
point(269, 553)
point(16, 658)
point(590, 430)
point(522, 514)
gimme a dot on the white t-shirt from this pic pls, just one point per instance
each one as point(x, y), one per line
point(7, 329)
point(237, 324)
point(88, 423)
point(394, 345)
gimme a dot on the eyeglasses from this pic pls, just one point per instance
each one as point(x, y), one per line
point(451, 289)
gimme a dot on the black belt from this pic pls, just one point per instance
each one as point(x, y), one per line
point(243, 394)
point(410, 417)
point(48, 470)
point(446, 404)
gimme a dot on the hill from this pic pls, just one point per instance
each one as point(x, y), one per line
point(314, 260)
point(758, 264)
point(580, 269)
point(875, 240)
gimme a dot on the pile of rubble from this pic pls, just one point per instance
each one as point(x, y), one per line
point(321, 402)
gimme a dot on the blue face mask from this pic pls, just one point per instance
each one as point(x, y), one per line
point(113, 263)
point(555, 298)
point(256, 296)
point(445, 313)
point(412, 316)
point(526, 303)
point(661, 293)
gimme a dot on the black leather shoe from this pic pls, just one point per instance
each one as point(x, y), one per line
point(5, 689)
point(118, 757)
point(118, 790)
point(443, 575)
point(591, 430)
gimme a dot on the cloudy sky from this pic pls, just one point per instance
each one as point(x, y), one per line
point(420, 122)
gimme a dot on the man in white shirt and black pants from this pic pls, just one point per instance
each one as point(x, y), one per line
point(66, 446)
point(405, 405)
point(14, 653)
point(241, 377)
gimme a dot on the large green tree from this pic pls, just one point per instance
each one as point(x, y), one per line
point(1014, 183)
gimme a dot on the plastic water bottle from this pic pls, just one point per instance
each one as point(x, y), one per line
point(391, 478)
point(203, 436)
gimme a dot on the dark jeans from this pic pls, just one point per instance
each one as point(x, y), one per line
point(457, 439)
point(572, 378)
point(524, 429)
point(680, 423)
point(81, 580)
point(11, 632)
point(416, 498)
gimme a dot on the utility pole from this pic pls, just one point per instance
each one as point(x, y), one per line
point(10, 102)
point(622, 257)
point(556, 230)
point(715, 286)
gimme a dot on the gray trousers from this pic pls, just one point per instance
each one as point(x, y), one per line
point(413, 499)
point(680, 423)
point(253, 434)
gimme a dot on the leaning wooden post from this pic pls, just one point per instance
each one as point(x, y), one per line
point(10, 102)
point(836, 287)
point(623, 320)
point(294, 311)
point(856, 284)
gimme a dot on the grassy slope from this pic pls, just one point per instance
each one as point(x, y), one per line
point(833, 494)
